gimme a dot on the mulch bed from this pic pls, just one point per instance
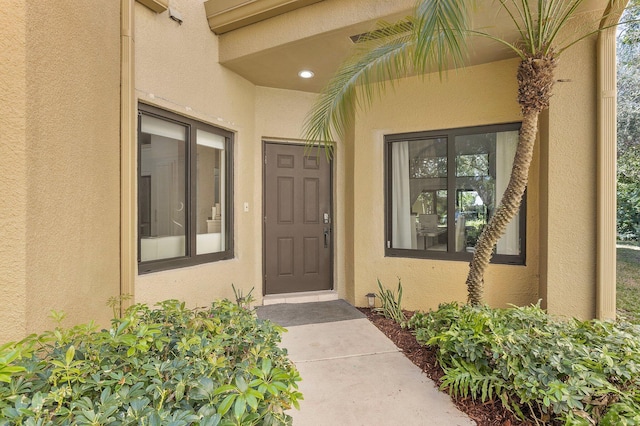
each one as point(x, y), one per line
point(487, 414)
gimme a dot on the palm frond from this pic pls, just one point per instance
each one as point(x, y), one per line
point(380, 60)
point(565, 11)
point(441, 33)
point(538, 23)
point(435, 38)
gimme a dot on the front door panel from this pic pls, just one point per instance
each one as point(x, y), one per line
point(297, 228)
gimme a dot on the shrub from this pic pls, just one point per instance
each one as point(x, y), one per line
point(169, 366)
point(391, 306)
point(545, 370)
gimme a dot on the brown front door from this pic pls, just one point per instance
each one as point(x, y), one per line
point(297, 220)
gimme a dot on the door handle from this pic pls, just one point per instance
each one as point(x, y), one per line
point(326, 237)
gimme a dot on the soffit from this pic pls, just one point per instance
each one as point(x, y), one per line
point(228, 15)
point(271, 52)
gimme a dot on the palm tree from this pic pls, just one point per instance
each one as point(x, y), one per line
point(435, 39)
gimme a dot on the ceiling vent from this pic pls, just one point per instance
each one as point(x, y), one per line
point(403, 26)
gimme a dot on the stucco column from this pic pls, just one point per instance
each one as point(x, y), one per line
point(128, 235)
point(606, 164)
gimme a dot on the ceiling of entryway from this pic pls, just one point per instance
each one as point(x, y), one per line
point(316, 37)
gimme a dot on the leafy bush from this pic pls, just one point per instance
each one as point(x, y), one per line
point(391, 307)
point(574, 372)
point(169, 366)
point(628, 192)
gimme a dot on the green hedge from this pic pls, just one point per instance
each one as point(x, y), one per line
point(167, 366)
point(544, 370)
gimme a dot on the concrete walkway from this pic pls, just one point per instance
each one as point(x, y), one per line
point(353, 374)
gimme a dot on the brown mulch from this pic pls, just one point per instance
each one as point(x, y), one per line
point(487, 414)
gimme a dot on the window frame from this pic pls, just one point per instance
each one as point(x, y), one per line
point(449, 135)
point(190, 258)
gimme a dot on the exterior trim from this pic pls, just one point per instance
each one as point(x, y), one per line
point(128, 150)
point(606, 165)
point(157, 6)
point(228, 15)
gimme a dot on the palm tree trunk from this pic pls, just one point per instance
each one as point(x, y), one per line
point(506, 211)
point(535, 81)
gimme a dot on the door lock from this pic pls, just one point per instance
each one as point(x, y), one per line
point(326, 219)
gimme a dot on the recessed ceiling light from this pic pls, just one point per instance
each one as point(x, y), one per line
point(306, 74)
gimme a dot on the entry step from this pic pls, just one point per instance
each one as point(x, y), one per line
point(303, 297)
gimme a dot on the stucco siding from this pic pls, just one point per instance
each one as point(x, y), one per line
point(13, 166)
point(177, 69)
point(571, 183)
point(73, 171)
point(479, 95)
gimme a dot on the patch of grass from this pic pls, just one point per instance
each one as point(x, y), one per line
point(628, 284)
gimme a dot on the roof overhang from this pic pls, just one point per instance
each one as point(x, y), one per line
point(272, 51)
point(228, 15)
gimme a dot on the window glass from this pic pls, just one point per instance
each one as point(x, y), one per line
point(418, 194)
point(184, 191)
point(162, 203)
point(459, 174)
point(210, 200)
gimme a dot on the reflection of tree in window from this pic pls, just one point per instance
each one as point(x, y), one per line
point(428, 158)
point(420, 183)
point(472, 165)
point(428, 167)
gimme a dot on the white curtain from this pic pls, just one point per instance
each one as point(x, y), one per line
point(506, 144)
point(402, 225)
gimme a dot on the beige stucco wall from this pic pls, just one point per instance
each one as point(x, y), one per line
point(60, 171)
point(73, 151)
point(59, 152)
point(569, 200)
point(479, 95)
point(13, 169)
point(177, 69)
point(190, 81)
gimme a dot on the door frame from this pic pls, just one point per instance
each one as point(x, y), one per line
point(287, 142)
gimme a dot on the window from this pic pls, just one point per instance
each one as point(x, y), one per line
point(442, 189)
point(185, 191)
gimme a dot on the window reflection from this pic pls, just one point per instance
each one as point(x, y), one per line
point(210, 200)
point(161, 193)
point(424, 174)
